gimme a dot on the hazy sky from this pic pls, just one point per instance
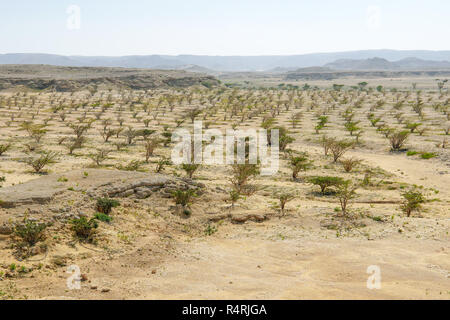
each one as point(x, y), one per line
point(225, 27)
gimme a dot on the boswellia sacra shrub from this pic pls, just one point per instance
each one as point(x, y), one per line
point(105, 205)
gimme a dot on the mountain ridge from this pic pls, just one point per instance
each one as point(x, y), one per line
point(220, 63)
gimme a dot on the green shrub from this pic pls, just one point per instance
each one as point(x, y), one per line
point(161, 164)
point(299, 163)
point(133, 165)
point(190, 168)
point(102, 217)
point(350, 163)
point(284, 198)
point(428, 155)
point(326, 182)
point(30, 231)
point(397, 139)
point(183, 197)
point(210, 230)
point(413, 200)
point(338, 148)
point(345, 192)
point(84, 228)
point(44, 159)
point(242, 174)
point(411, 153)
point(104, 205)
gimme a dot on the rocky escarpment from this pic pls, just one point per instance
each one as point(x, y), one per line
point(145, 187)
point(42, 77)
point(94, 183)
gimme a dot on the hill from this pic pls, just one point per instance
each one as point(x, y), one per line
point(221, 63)
point(41, 77)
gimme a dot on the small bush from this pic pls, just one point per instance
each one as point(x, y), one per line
point(345, 192)
point(413, 200)
point(427, 155)
point(104, 205)
point(150, 146)
point(30, 231)
point(350, 163)
point(397, 139)
point(133, 165)
point(183, 197)
point(190, 168)
point(242, 175)
point(338, 148)
point(100, 156)
point(44, 159)
point(210, 230)
point(299, 163)
point(326, 182)
point(284, 198)
point(84, 228)
point(161, 164)
point(4, 148)
point(102, 217)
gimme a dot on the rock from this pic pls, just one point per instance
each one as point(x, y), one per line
point(6, 229)
point(241, 218)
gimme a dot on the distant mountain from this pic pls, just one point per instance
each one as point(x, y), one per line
point(367, 64)
point(237, 63)
point(415, 63)
point(383, 64)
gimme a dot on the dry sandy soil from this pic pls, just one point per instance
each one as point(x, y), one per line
point(250, 251)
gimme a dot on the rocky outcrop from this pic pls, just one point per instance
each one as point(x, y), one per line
point(95, 183)
point(42, 77)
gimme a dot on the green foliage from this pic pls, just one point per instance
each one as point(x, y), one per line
point(338, 148)
point(105, 205)
point(184, 197)
point(30, 231)
point(284, 138)
point(326, 182)
point(190, 168)
point(102, 217)
point(234, 197)
point(351, 127)
point(133, 165)
point(350, 163)
point(413, 200)
point(397, 139)
point(284, 198)
point(267, 123)
point(210, 230)
point(242, 174)
point(161, 164)
point(412, 126)
point(299, 163)
point(43, 159)
point(84, 228)
point(428, 155)
point(345, 191)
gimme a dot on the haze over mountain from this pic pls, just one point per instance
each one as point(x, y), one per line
point(339, 60)
point(383, 64)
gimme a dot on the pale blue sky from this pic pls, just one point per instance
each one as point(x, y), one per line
point(226, 27)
